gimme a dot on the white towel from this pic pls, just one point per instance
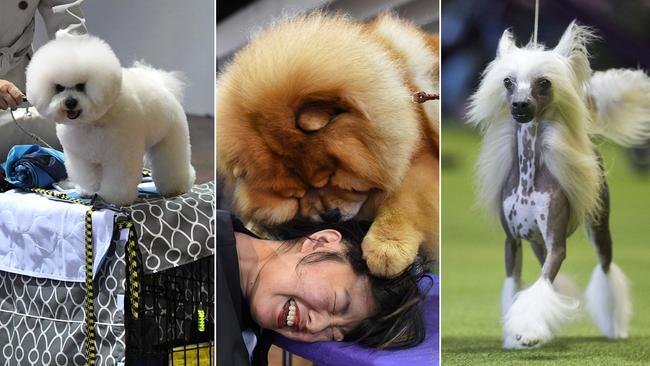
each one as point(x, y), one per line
point(45, 238)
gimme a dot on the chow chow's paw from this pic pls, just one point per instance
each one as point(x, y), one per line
point(388, 256)
point(262, 207)
point(311, 206)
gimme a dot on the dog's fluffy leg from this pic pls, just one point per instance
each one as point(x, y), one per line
point(83, 173)
point(172, 171)
point(536, 313)
point(120, 180)
point(406, 219)
point(510, 288)
point(566, 286)
point(608, 301)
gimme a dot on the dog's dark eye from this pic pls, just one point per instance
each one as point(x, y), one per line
point(59, 88)
point(544, 83)
point(507, 82)
point(80, 87)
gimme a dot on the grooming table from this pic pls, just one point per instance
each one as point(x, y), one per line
point(341, 353)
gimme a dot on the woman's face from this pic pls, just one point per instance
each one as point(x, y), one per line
point(311, 301)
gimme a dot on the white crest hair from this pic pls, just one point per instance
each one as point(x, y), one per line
point(567, 149)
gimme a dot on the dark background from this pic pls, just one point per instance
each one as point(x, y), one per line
point(471, 30)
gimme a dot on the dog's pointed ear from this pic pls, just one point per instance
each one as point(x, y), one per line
point(506, 43)
point(569, 41)
point(575, 40)
point(573, 45)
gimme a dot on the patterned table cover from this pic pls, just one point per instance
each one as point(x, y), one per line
point(175, 231)
point(42, 320)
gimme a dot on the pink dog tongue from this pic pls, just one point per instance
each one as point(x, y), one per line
point(73, 114)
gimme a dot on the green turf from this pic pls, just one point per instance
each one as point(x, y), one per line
point(472, 269)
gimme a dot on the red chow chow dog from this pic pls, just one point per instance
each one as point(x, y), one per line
point(315, 120)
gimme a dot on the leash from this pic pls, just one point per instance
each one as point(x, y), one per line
point(421, 97)
point(91, 347)
point(124, 222)
point(536, 22)
point(33, 136)
point(58, 9)
point(132, 258)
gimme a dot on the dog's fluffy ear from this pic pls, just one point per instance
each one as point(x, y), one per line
point(573, 45)
point(570, 42)
point(506, 43)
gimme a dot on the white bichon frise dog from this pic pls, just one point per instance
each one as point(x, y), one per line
point(108, 117)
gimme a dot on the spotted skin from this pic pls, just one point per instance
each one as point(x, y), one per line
point(534, 206)
point(526, 208)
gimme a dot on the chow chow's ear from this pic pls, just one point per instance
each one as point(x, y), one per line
point(573, 45)
point(313, 116)
point(506, 43)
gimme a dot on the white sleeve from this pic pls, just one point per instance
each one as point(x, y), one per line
point(71, 18)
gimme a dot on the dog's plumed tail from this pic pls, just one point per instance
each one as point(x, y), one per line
point(171, 80)
point(608, 301)
point(620, 105)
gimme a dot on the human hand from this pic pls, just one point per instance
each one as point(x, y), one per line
point(10, 95)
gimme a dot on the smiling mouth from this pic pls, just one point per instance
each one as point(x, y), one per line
point(73, 114)
point(289, 315)
point(522, 117)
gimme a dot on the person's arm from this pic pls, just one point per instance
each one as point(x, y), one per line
point(68, 15)
point(10, 95)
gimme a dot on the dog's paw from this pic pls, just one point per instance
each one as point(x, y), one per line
point(386, 256)
point(263, 207)
point(537, 313)
point(311, 206)
point(524, 340)
point(118, 197)
point(84, 192)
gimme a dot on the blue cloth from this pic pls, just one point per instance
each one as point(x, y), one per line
point(30, 166)
point(342, 353)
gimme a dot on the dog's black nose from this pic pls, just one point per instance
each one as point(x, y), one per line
point(333, 215)
point(70, 103)
point(520, 105)
point(522, 110)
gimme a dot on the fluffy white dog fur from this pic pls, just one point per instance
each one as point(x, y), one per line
point(536, 314)
point(109, 117)
point(608, 302)
point(614, 104)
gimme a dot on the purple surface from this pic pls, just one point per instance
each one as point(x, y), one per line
point(341, 353)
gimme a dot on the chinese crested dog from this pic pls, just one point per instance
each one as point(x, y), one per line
point(539, 170)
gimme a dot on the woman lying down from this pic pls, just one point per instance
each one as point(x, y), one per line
point(315, 287)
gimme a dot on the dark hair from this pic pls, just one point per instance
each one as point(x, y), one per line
point(399, 322)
